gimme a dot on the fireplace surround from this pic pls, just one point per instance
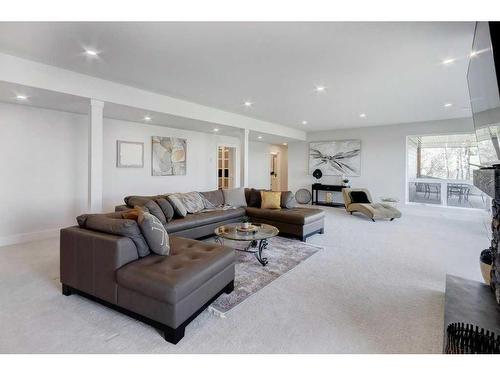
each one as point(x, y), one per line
point(488, 181)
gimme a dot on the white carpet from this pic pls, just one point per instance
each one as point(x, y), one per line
point(375, 288)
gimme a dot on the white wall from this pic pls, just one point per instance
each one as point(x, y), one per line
point(383, 155)
point(259, 165)
point(43, 171)
point(201, 162)
point(44, 168)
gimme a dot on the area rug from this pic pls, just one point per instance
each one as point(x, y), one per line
point(283, 254)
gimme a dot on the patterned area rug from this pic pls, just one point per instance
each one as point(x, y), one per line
point(283, 255)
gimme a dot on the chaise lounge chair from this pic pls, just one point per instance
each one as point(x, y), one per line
point(360, 200)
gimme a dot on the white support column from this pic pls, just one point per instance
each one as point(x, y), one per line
point(244, 158)
point(95, 156)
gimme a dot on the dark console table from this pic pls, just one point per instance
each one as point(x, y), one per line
point(320, 187)
point(469, 301)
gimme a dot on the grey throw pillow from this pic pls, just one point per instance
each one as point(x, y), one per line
point(155, 233)
point(155, 210)
point(166, 207)
point(193, 201)
point(108, 223)
point(235, 197)
point(288, 199)
point(177, 205)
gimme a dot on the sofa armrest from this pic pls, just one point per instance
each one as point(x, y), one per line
point(89, 260)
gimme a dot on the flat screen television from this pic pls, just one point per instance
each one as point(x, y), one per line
point(483, 78)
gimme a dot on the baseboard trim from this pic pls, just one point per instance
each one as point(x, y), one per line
point(28, 237)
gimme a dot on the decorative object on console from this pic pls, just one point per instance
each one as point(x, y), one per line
point(129, 154)
point(335, 157)
point(303, 196)
point(168, 156)
point(317, 174)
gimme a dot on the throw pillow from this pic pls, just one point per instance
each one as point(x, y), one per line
point(155, 233)
point(215, 197)
point(288, 199)
point(177, 205)
point(166, 207)
point(108, 223)
point(192, 201)
point(138, 200)
point(254, 198)
point(235, 197)
point(270, 199)
point(359, 197)
point(154, 209)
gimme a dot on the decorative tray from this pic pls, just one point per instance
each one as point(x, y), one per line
point(251, 228)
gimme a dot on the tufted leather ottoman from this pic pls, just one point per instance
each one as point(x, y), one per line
point(173, 289)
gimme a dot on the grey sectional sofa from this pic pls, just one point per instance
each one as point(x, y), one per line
point(167, 292)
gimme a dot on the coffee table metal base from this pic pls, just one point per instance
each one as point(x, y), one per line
point(259, 247)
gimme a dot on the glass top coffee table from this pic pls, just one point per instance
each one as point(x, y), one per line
point(257, 235)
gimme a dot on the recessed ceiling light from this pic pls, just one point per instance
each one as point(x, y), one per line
point(147, 118)
point(21, 97)
point(284, 143)
point(216, 130)
point(320, 88)
point(448, 104)
point(259, 137)
point(91, 52)
point(362, 115)
point(448, 61)
point(248, 104)
point(304, 122)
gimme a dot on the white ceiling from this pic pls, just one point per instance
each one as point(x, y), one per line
point(390, 71)
point(70, 103)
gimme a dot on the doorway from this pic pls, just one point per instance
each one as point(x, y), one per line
point(275, 171)
point(226, 166)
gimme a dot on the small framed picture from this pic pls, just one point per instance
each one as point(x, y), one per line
point(129, 154)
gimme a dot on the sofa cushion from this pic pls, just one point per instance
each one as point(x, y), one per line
point(110, 223)
point(235, 197)
point(216, 197)
point(169, 279)
point(154, 232)
point(203, 218)
point(139, 200)
point(254, 198)
point(177, 204)
point(288, 200)
point(359, 197)
point(270, 199)
point(166, 207)
point(299, 215)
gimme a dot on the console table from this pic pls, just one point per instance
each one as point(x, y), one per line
point(320, 187)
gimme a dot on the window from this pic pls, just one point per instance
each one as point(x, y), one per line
point(440, 170)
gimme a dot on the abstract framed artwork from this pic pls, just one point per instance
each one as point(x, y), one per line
point(336, 157)
point(168, 156)
point(129, 154)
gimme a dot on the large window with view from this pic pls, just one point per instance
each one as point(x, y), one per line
point(439, 170)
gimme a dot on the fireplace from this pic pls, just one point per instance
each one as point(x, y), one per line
point(488, 181)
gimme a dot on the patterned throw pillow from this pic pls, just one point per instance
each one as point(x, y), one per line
point(177, 205)
point(235, 197)
point(155, 233)
point(270, 199)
